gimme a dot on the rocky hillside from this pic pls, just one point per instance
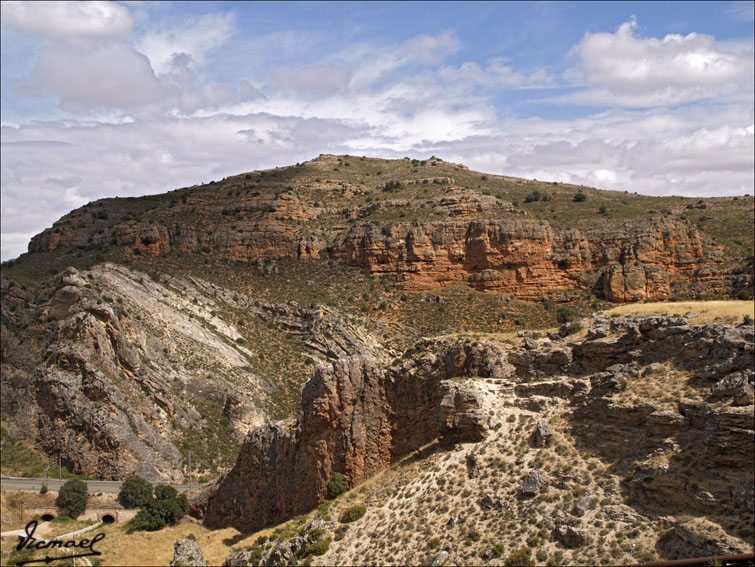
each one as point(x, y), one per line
point(631, 442)
point(140, 334)
point(426, 224)
point(118, 371)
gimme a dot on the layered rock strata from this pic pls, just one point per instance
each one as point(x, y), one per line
point(631, 261)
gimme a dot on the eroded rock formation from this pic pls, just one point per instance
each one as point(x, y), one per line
point(358, 418)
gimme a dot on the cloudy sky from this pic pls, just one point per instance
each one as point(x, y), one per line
point(104, 99)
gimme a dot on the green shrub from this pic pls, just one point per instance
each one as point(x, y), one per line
point(72, 497)
point(744, 295)
point(434, 543)
point(566, 314)
point(43, 489)
point(522, 557)
point(318, 548)
point(336, 486)
point(579, 197)
point(167, 507)
point(353, 514)
point(135, 492)
point(497, 550)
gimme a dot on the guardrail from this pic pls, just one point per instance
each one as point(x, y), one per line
point(93, 486)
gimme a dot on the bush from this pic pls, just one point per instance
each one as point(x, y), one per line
point(72, 497)
point(167, 507)
point(497, 550)
point(336, 486)
point(579, 197)
point(566, 314)
point(744, 295)
point(353, 514)
point(43, 489)
point(135, 492)
point(434, 542)
point(522, 557)
point(317, 548)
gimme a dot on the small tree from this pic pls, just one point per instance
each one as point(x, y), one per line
point(167, 507)
point(72, 497)
point(336, 486)
point(579, 197)
point(135, 492)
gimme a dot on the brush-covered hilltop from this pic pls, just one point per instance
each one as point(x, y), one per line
point(408, 325)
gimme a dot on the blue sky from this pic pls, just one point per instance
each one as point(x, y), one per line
point(107, 99)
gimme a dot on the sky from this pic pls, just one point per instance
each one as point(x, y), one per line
point(105, 99)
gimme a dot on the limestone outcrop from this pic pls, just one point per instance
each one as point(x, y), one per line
point(483, 241)
point(358, 417)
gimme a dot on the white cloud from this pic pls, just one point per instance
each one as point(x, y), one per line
point(193, 40)
point(428, 48)
point(372, 63)
point(93, 74)
point(495, 74)
point(67, 20)
point(626, 70)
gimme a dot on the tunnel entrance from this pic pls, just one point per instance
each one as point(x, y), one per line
point(108, 519)
point(48, 517)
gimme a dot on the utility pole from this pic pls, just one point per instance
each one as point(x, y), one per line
point(47, 468)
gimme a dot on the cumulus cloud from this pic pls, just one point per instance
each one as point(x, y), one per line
point(626, 70)
point(67, 20)
point(93, 74)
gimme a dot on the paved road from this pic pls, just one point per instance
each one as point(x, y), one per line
point(93, 486)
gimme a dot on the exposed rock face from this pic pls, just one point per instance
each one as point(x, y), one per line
point(357, 419)
point(527, 258)
point(490, 245)
point(187, 552)
point(698, 538)
point(123, 374)
point(532, 484)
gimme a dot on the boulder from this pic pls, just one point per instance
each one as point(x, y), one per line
point(531, 484)
point(187, 552)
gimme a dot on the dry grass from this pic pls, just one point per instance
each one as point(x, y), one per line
point(708, 311)
point(156, 548)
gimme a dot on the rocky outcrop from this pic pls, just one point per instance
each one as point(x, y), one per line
point(698, 538)
point(358, 417)
point(489, 244)
point(186, 552)
point(527, 258)
point(123, 375)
